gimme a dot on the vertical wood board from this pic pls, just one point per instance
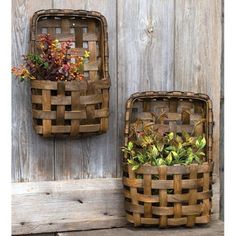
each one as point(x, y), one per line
point(95, 156)
point(32, 156)
point(198, 54)
point(145, 50)
point(198, 60)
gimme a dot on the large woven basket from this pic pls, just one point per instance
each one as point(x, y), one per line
point(73, 108)
point(182, 194)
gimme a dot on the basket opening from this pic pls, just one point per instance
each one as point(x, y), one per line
point(200, 175)
point(85, 33)
point(200, 189)
point(184, 190)
point(155, 191)
point(140, 190)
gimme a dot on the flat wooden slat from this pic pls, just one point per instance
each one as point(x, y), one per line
point(60, 108)
point(91, 66)
point(215, 228)
point(95, 203)
point(75, 104)
point(177, 190)
point(45, 23)
point(176, 198)
point(147, 64)
point(163, 198)
point(105, 103)
point(66, 100)
point(63, 37)
point(56, 129)
point(69, 86)
point(86, 161)
point(32, 156)
point(51, 115)
point(192, 199)
point(95, 162)
point(178, 169)
point(198, 48)
point(133, 191)
point(162, 184)
point(147, 190)
point(46, 105)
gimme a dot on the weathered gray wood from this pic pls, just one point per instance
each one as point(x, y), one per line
point(198, 54)
point(52, 206)
point(215, 228)
point(221, 161)
point(198, 57)
point(47, 234)
point(145, 50)
point(161, 45)
point(95, 156)
point(32, 156)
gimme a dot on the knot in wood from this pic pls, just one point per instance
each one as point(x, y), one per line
point(150, 30)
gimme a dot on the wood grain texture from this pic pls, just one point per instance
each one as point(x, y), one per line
point(215, 228)
point(198, 59)
point(145, 50)
point(54, 206)
point(89, 203)
point(198, 54)
point(92, 157)
point(32, 156)
point(153, 45)
point(221, 161)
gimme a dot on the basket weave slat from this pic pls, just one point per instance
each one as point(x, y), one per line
point(182, 194)
point(73, 108)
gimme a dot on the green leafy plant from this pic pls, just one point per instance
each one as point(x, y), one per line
point(149, 146)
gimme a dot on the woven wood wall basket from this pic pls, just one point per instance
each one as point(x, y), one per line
point(73, 108)
point(182, 194)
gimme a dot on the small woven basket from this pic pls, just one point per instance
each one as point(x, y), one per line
point(182, 194)
point(73, 108)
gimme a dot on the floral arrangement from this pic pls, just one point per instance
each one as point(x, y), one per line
point(53, 62)
point(149, 146)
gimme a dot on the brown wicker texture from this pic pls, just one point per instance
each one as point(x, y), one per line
point(73, 108)
point(170, 195)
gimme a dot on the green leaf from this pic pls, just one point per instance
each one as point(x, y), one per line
point(201, 153)
point(203, 143)
point(131, 162)
point(130, 145)
point(135, 167)
point(197, 159)
point(160, 161)
point(170, 135)
point(189, 159)
point(169, 159)
point(154, 151)
point(175, 154)
point(160, 146)
point(170, 148)
point(46, 65)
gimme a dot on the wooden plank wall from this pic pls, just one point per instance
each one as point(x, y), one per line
point(153, 45)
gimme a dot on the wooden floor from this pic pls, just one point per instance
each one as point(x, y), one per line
point(216, 228)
